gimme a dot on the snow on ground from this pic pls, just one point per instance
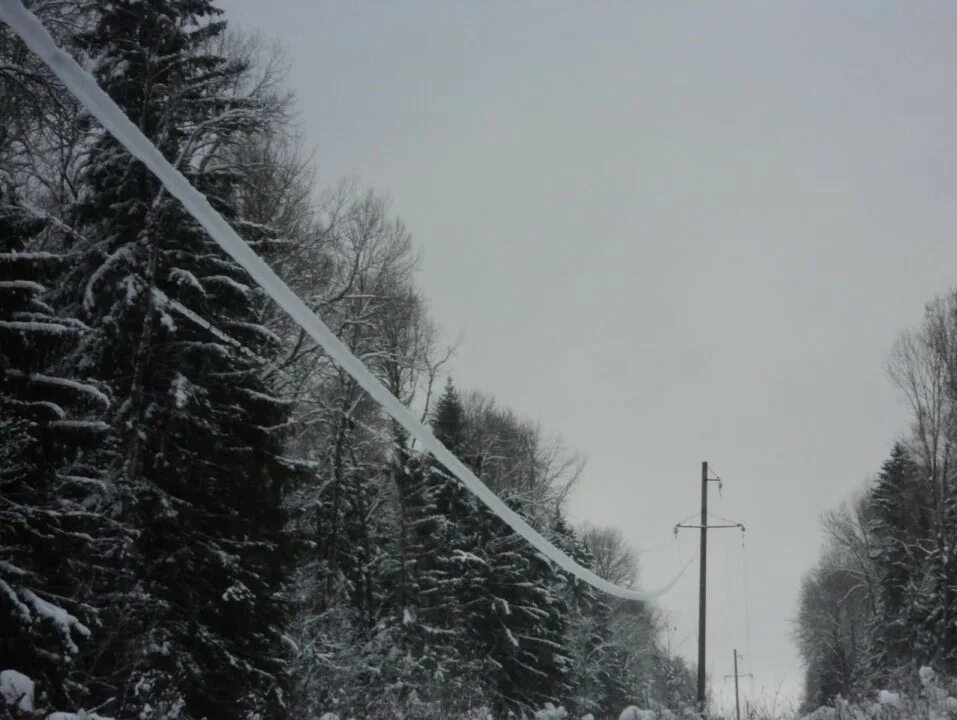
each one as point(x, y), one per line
point(932, 700)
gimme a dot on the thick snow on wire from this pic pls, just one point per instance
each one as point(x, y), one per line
point(82, 85)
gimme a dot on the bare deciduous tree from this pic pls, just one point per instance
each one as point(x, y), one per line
point(613, 558)
point(923, 364)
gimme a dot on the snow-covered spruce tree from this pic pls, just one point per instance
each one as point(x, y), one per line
point(901, 517)
point(459, 556)
point(519, 624)
point(50, 530)
point(517, 619)
point(441, 528)
point(451, 570)
point(935, 603)
point(487, 612)
point(448, 419)
point(673, 684)
point(198, 468)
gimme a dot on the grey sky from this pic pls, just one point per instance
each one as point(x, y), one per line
point(670, 232)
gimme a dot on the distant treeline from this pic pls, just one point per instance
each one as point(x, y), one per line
point(882, 602)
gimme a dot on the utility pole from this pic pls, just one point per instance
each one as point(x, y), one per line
point(703, 587)
point(703, 580)
point(737, 702)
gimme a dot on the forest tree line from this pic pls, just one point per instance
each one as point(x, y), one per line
point(201, 516)
point(882, 602)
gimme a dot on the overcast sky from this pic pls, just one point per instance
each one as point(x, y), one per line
point(671, 232)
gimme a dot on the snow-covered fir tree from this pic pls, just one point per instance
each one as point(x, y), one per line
point(199, 470)
point(522, 625)
point(50, 485)
point(901, 518)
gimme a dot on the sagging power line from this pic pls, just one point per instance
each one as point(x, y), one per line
point(86, 89)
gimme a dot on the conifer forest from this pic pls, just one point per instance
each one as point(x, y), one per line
point(205, 516)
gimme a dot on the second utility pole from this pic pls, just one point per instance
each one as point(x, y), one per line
point(703, 581)
point(703, 587)
point(737, 701)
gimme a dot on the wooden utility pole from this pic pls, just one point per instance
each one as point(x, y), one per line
point(737, 701)
point(703, 587)
point(703, 579)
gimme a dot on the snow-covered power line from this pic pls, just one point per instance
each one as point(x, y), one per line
point(85, 88)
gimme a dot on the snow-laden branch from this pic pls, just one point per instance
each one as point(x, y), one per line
point(85, 88)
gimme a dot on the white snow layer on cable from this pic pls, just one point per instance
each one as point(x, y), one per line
point(88, 92)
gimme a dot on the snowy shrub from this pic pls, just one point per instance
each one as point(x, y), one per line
point(933, 698)
point(634, 713)
point(886, 697)
point(16, 689)
point(482, 713)
point(551, 713)
point(822, 713)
